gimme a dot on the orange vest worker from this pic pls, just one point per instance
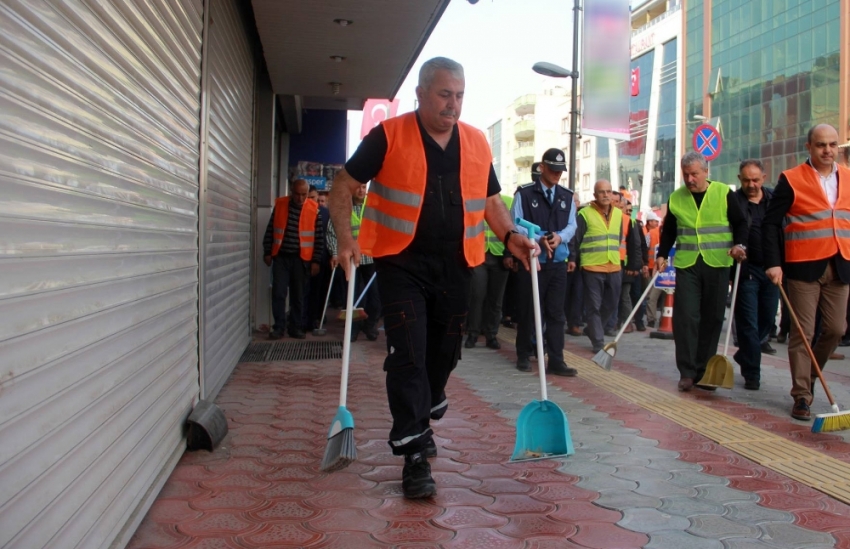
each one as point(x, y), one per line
point(654, 239)
point(306, 226)
point(815, 230)
point(397, 192)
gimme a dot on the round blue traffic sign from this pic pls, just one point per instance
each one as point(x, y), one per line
point(707, 141)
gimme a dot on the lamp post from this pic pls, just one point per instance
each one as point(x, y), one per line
point(555, 71)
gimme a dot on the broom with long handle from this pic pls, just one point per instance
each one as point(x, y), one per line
point(320, 331)
point(341, 450)
point(837, 420)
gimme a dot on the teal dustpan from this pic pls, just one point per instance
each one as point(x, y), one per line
point(542, 429)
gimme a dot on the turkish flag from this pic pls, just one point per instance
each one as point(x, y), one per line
point(635, 81)
point(376, 111)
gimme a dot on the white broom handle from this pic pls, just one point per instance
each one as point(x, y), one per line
point(346, 342)
point(538, 327)
point(634, 310)
point(359, 299)
point(732, 308)
point(328, 297)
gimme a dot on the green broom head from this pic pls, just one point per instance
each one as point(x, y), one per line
point(836, 421)
point(341, 450)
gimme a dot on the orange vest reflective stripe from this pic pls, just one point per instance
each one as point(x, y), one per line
point(397, 192)
point(654, 239)
point(626, 221)
point(306, 226)
point(814, 229)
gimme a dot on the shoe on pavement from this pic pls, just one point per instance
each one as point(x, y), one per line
point(752, 384)
point(836, 356)
point(274, 334)
point(650, 324)
point(371, 333)
point(430, 450)
point(686, 384)
point(561, 369)
point(297, 334)
point(523, 364)
point(493, 343)
point(611, 333)
point(845, 342)
point(470, 341)
point(767, 349)
point(781, 337)
point(705, 387)
point(575, 331)
point(629, 329)
point(640, 326)
point(354, 333)
point(596, 349)
point(801, 410)
point(416, 480)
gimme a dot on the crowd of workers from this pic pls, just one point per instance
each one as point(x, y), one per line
point(450, 261)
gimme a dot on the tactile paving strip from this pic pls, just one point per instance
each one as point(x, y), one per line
point(822, 472)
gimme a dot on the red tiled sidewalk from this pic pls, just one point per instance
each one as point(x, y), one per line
point(262, 486)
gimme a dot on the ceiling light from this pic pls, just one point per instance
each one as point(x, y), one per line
point(343, 22)
point(337, 58)
point(335, 87)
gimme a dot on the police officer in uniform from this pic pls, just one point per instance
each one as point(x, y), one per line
point(433, 186)
point(550, 207)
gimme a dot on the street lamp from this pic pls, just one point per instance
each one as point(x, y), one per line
point(556, 71)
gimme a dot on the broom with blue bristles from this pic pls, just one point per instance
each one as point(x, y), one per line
point(341, 450)
point(824, 423)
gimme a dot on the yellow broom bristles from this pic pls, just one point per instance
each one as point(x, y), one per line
point(827, 423)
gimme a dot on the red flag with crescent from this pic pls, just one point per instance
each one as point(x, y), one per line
point(376, 111)
point(635, 81)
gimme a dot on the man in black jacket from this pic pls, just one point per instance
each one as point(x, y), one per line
point(811, 207)
point(758, 297)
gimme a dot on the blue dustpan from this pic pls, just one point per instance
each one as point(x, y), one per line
point(542, 429)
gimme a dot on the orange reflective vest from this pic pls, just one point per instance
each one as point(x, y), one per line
point(306, 226)
point(654, 239)
point(623, 233)
point(815, 230)
point(397, 192)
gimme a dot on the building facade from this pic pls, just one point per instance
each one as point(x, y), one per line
point(764, 72)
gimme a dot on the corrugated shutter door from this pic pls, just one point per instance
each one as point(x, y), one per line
point(99, 148)
point(227, 216)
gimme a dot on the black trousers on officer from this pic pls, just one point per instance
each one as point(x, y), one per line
point(425, 301)
point(552, 283)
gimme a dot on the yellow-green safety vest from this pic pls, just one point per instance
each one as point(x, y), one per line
point(704, 231)
point(356, 219)
point(601, 244)
point(492, 243)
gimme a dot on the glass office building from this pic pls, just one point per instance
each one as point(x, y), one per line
point(763, 72)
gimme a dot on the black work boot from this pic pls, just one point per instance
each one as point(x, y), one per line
point(430, 450)
point(416, 481)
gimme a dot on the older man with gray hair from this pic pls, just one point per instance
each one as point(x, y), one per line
point(709, 229)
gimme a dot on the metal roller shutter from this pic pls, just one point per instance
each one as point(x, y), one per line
point(227, 196)
point(99, 152)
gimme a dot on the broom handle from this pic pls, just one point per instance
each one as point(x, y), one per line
point(808, 348)
point(346, 342)
point(634, 310)
point(359, 299)
point(732, 308)
point(538, 327)
point(328, 297)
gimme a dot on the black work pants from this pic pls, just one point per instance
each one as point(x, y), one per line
point(370, 302)
point(698, 311)
point(552, 284)
point(486, 294)
point(289, 275)
point(425, 304)
point(574, 299)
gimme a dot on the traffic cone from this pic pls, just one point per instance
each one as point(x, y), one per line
point(665, 327)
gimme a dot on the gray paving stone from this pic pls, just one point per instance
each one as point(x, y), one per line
point(672, 464)
point(634, 472)
point(724, 494)
point(746, 543)
point(690, 507)
point(654, 453)
point(793, 537)
point(714, 527)
point(752, 513)
point(663, 488)
point(625, 499)
point(695, 478)
point(672, 539)
point(606, 482)
point(651, 520)
point(633, 441)
point(586, 468)
point(629, 458)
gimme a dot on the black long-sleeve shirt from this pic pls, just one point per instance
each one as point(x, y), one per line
point(737, 222)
